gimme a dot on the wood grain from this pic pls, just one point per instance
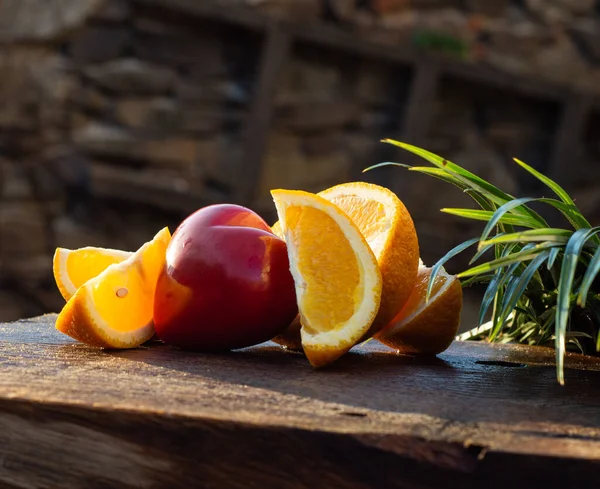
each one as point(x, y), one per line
point(476, 416)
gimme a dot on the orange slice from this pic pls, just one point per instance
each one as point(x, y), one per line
point(114, 309)
point(387, 226)
point(73, 268)
point(277, 231)
point(430, 327)
point(338, 282)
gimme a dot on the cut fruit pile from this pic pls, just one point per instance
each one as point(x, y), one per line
point(112, 309)
point(338, 281)
point(386, 225)
point(353, 255)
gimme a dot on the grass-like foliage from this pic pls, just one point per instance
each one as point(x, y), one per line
point(541, 281)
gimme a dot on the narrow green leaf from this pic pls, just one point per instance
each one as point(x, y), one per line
point(570, 211)
point(588, 279)
point(481, 215)
point(495, 294)
point(574, 341)
point(440, 263)
point(501, 276)
point(515, 292)
point(499, 250)
point(552, 258)
point(479, 279)
point(504, 209)
point(551, 184)
point(440, 175)
point(487, 205)
point(475, 332)
point(521, 256)
point(385, 163)
point(537, 278)
point(554, 235)
point(496, 310)
point(528, 334)
point(563, 301)
point(480, 253)
point(476, 214)
point(488, 190)
point(578, 334)
point(453, 168)
point(499, 280)
point(550, 321)
point(527, 313)
point(480, 200)
point(497, 318)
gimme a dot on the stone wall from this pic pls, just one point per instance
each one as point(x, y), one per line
point(555, 40)
point(117, 118)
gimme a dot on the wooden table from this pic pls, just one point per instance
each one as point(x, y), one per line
point(154, 417)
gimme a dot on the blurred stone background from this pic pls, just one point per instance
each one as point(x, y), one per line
point(118, 117)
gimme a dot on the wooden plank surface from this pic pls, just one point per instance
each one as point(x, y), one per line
point(476, 416)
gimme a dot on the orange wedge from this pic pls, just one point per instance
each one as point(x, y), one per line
point(387, 226)
point(277, 231)
point(426, 327)
point(73, 268)
point(114, 309)
point(338, 282)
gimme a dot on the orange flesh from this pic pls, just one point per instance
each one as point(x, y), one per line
point(416, 300)
point(368, 215)
point(331, 303)
point(124, 311)
point(83, 265)
point(124, 298)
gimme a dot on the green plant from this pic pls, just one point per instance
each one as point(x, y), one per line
point(541, 281)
